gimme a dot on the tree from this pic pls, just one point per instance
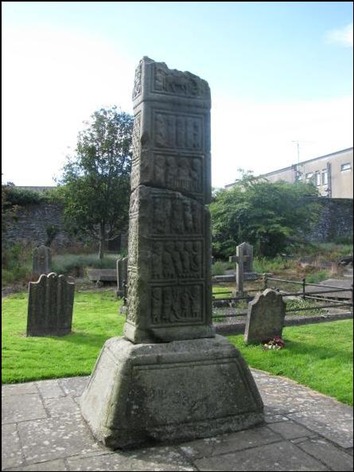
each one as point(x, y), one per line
point(266, 215)
point(95, 185)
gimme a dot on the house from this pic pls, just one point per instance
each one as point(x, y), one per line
point(332, 174)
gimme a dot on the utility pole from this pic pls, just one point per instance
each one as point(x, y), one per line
point(298, 150)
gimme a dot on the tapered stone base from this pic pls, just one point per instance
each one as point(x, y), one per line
point(165, 392)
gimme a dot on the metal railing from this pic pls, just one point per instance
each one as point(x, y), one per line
point(223, 306)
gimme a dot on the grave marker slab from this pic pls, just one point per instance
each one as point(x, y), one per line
point(50, 305)
point(42, 260)
point(122, 275)
point(265, 317)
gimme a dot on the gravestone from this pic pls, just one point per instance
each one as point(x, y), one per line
point(170, 377)
point(50, 305)
point(244, 265)
point(122, 274)
point(265, 317)
point(42, 260)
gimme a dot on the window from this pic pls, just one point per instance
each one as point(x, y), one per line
point(346, 166)
point(324, 177)
point(318, 178)
point(309, 176)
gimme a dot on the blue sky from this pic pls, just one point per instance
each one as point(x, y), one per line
point(280, 74)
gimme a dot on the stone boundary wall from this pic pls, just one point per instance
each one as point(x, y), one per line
point(336, 221)
point(31, 223)
point(33, 220)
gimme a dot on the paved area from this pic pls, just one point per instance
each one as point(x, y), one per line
point(42, 430)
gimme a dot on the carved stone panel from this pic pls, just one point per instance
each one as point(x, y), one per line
point(169, 225)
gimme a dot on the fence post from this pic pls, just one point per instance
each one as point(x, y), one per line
point(265, 281)
point(303, 288)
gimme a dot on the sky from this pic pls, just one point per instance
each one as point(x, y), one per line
point(280, 75)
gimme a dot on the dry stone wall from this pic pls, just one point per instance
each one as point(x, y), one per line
point(32, 221)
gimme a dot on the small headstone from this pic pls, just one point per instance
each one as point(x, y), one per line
point(244, 265)
point(247, 250)
point(122, 273)
point(265, 317)
point(42, 260)
point(50, 306)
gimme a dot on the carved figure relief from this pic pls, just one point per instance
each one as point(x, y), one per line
point(176, 304)
point(178, 131)
point(171, 170)
point(132, 298)
point(137, 80)
point(168, 221)
point(176, 260)
point(136, 151)
point(133, 242)
point(178, 83)
point(182, 174)
point(175, 216)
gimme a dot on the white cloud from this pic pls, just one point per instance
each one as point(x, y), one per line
point(343, 36)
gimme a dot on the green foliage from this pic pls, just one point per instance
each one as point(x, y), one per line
point(52, 231)
point(16, 196)
point(332, 251)
point(16, 264)
point(265, 214)
point(95, 186)
point(305, 307)
point(75, 264)
point(276, 264)
point(219, 267)
point(8, 209)
point(318, 276)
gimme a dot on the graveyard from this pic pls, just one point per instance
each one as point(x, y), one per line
point(96, 318)
point(153, 368)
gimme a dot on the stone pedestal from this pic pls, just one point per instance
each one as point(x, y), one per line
point(170, 391)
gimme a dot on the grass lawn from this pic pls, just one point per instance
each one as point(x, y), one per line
point(95, 319)
point(319, 356)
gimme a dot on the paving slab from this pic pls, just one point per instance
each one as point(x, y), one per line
point(277, 456)
point(42, 429)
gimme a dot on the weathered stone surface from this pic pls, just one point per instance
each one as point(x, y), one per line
point(265, 317)
point(122, 275)
point(53, 443)
point(169, 391)
point(278, 456)
point(50, 306)
point(169, 251)
point(169, 378)
point(42, 260)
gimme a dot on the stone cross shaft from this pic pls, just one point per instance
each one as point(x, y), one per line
point(169, 250)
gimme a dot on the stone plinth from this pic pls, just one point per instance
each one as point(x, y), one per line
point(170, 391)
